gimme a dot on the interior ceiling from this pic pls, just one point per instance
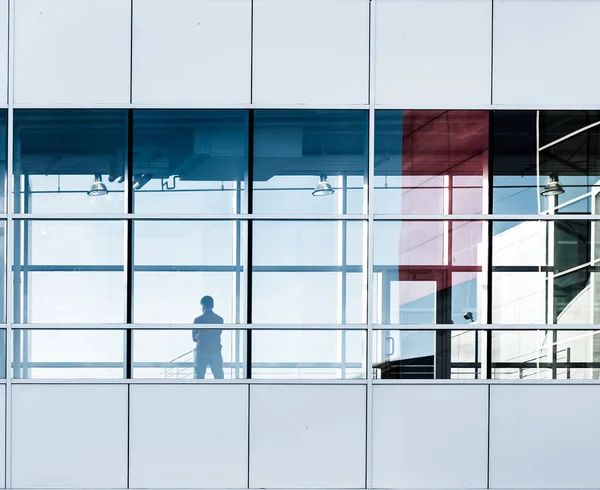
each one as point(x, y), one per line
point(300, 143)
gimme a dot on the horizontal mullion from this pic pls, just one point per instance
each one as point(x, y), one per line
point(299, 326)
point(486, 217)
point(189, 268)
point(299, 217)
point(186, 326)
point(487, 327)
point(182, 365)
point(188, 217)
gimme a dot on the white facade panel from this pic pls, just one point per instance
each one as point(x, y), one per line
point(4, 51)
point(546, 53)
point(69, 436)
point(189, 436)
point(2, 436)
point(72, 51)
point(311, 52)
point(415, 428)
point(202, 54)
point(304, 436)
point(433, 53)
point(544, 436)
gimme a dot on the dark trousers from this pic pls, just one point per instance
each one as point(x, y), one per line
point(214, 361)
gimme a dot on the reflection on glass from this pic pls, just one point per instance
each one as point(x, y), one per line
point(182, 261)
point(430, 162)
point(428, 354)
point(545, 272)
point(299, 155)
point(428, 272)
point(189, 354)
point(308, 354)
point(3, 353)
point(70, 161)
point(72, 354)
point(3, 158)
point(567, 161)
point(308, 272)
point(69, 272)
point(190, 161)
point(2, 273)
point(546, 354)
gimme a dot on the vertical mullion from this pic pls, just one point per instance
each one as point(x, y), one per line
point(490, 237)
point(9, 249)
point(369, 251)
point(249, 191)
point(129, 248)
point(9, 246)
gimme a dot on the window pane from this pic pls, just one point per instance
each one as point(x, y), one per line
point(182, 261)
point(3, 158)
point(428, 354)
point(546, 354)
point(568, 155)
point(189, 354)
point(430, 162)
point(296, 151)
point(190, 161)
point(69, 272)
point(545, 272)
point(41, 354)
point(308, 354)
point(308, 272)
point(70, 161)
point(2, 272)
point(3, 353)
point(428, 272)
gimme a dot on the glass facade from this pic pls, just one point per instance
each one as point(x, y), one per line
point(300, 244)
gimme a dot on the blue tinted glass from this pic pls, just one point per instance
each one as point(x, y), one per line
point(308, 161)
point(69, 271)
point(183, 261)
point(68, 354)
point(189, 354)
point(308, 272)
point(308, 354)
point(559, 175)
point(3, 159)
point(70, 161)
point(190, 161)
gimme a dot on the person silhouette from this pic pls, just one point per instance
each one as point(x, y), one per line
point(208, 342)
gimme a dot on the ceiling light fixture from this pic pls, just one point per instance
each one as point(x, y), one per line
point(553, 187)
point(98, 188)
point(323, 188)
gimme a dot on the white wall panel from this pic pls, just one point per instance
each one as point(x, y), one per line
point(546, 52)
point(2, 435)
point(433, 52)
point(4, 51)
point(305, 436)
point(430, 436)
point(189, 436)
point(544, 436)
point(69, 436)
point(191, 51)
point(72, 51)
point(311, 51)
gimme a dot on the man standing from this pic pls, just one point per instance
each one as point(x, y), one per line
point(208, 342)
